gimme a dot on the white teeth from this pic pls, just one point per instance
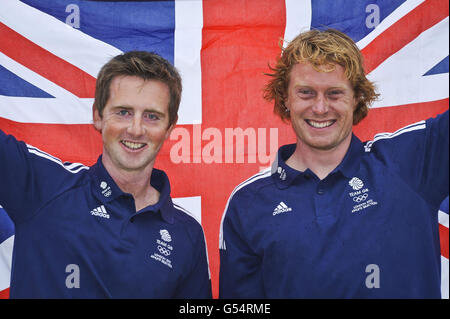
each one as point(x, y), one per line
point(133, 145)
point(320, 124)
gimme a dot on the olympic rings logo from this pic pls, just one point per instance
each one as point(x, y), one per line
point(360, 198)
point(163, 251)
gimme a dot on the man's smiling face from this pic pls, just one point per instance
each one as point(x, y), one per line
point(321, 106)
point(134, 123)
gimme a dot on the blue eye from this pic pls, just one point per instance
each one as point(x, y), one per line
point(334, 94)
point(123, 112)
point(305, 92)
point(152, 116)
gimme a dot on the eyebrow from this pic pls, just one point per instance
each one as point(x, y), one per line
point(126, 107)
point(300, 85)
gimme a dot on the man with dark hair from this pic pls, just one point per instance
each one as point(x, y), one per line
point(336, 218)
point(110, 230)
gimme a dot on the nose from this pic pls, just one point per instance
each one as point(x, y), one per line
point(136, 127)
point(320, 104)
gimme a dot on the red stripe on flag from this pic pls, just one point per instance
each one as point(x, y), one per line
point(390, 119)
point(239, 38)
point(4, 294)
point(404, 31)
point(443, 236)
point(46, 63)
point(76, 143)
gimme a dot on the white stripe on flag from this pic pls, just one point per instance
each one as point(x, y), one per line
point(68, 43)
point(188, 44)
point(33, 78)
point(396, 15)
point(6, 249)
point(64, 108)
point(444, 278)
point(400, 78)
point(192, 204)
point(443, 218)
point(298, 18)
point(46, 111)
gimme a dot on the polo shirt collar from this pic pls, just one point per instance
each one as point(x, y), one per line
point(349, 166)
point(160, 182)
point(106, 190)
point(284, 175)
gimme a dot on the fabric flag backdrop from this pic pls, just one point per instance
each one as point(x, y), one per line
point(52, 50)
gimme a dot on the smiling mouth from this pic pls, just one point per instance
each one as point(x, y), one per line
point(323, 124)
point(132, 145)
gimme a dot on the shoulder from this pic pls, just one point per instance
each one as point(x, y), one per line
point(182, 215)
point(65, 167)
point(393, 139)
point(412, 133)
point(243, 195)
point(251, 186)
point(188, 222)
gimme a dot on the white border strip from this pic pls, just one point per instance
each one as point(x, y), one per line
point(188, 45)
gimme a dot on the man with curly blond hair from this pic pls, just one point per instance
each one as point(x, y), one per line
point(335, 217)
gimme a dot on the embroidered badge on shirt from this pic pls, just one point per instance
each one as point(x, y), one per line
point(360, 196)
point(106, 190)
point(164, 250)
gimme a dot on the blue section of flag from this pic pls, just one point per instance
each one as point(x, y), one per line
point(444, 206)
point(12, 85)
point(441, 67)
point(6, 226)
point(356, 19)
point(127, 25)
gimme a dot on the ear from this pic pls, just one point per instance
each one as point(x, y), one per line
point(170, 129)
point(97, 119)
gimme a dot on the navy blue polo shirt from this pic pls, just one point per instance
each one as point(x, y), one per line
point(367, 230)
point(77, 235)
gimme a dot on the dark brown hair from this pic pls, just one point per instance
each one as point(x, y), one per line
point(146, 65)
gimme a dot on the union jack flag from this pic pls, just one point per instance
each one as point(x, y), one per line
point(52, 50)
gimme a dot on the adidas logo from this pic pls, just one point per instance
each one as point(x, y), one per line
point(281, 208)
point(100, 211)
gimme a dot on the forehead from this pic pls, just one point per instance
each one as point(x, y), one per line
point(133, 91)
point(132, 84)
point(326, 75)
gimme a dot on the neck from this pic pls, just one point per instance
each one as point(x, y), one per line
point(321, 162)
point(136, 183)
